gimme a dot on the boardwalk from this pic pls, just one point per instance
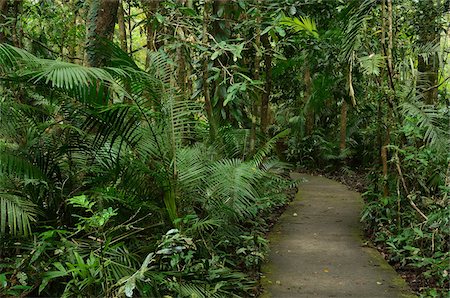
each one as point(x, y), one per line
point(317, 251)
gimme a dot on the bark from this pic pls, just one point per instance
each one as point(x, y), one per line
point(343, 133)
point(206, 93)
point(268, 84)
point(181, 74)
point(16, 27)
point(428, 33)
point(390, 44)
point(150, 7)
point(429, 70)
point(384, 153)
point(73, 43)
point(256, 75)
point(220, 31)
point(101, 20)
point(307, 97)
point(3, 14)
point(384, 161)
point(122, 30)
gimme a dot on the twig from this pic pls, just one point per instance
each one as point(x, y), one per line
point(50, 50)
point(436, 86)
point(408, 195)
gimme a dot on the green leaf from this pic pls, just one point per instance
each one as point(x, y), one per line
point(280, 31)
point(3, 280)
point(215, 55)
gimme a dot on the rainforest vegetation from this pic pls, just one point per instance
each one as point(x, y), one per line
point(145, 145)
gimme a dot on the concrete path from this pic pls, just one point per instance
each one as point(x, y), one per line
point(317, 249)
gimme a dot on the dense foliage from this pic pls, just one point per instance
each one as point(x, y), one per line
point(140, 141)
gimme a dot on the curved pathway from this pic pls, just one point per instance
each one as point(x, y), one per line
point(317, 249)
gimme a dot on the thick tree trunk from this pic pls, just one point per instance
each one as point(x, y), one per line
point(101, 20)
point(268, 84)
point(122, 30)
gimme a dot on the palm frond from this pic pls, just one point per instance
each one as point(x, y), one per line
point(433, 120)
point(16, 166)
point(372, 64)
point(304, 24)
point(231, 185)
point(16, 214)
point(267, 148)
point(356, 13)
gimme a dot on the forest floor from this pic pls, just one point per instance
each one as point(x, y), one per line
point(317, 249)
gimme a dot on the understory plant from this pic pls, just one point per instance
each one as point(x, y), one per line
point(108, 188)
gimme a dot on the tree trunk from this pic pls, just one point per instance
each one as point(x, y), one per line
point(206, 93)
point(343, 134)
point(428, 32)
point(101, 20)
point(16, 32)
point(308, 108)
point(220, 31)
point(384, 152)
point(256, 76)
point(150, 7)
point(122, 30)
point(384, 160)
point(429, 70)
point(3, 15)
point(268, 84)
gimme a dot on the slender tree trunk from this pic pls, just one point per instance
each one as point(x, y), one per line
point(130, 30)
point(206, 93)
point(102, 18)
point(384, 153)
point(268, 84)
point(72, 47)
point(17, 27)
point(150, 8)
point(390, 41)
point(220, 32)
point(429, 33)
point(122, 30)
point(182, 78)
point(429, 69)
point(343, 133)
point(256, 75)
point(309, 110)
point(384, 160)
